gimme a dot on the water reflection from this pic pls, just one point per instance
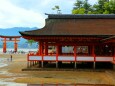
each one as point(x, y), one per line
point(2, 83)
point(68, 85)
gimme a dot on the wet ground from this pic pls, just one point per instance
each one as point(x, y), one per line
point(67, 85)
point(48, 75)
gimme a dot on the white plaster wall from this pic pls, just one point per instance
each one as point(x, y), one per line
point(66, 58)
point(83, 58)
point(50, 58)
point(35, 58)
point(104, 58)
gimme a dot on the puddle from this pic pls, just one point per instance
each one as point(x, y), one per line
point(3, 62)
point(11, 84)
point(4, 81)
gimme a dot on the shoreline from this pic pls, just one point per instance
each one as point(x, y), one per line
point(9, 50)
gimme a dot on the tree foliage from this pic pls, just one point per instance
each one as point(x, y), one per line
point(57, 8)
point(30, 42)
point(102, 7)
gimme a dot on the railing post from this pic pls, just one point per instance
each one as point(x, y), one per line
point(114, 59)
point(42, 63)
point(93, 54)
point(28, 65)
point(94, 64)
point(57, 54)
point(75, 55)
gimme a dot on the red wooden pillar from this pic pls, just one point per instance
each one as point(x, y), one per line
point(90, 50)
point(4, 45)
point(57, 54)
point(15, 45)
point(60, 50)
point(114, 54)
point(40, 47)
point(38, 50)
point(46, 48)
point(93, 54)
point(75, 52)
point(41, 50)
point(93, 50)
point(75, 55)
point(114, 58)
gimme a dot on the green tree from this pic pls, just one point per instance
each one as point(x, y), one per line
point(78, 4)
point(30, 42)
point(99, 7)
point(81, 7)
point(57, 8)
point(87, 6)
point(112, 6)
point(78, 11)
point(102, 7)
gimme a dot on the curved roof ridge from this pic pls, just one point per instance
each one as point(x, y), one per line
point(80, 16)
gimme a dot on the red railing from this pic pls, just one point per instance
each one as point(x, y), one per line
point(96, 58)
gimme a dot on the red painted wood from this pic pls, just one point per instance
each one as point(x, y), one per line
point(27, 57)
point(40, 48)
point(6, 39)
point(4, 45)
point(114, 54)
point(46, 48)
point(57, 52)
point(75, 53)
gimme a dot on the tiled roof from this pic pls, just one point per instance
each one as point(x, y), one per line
point(79, 16)
point(76, 25)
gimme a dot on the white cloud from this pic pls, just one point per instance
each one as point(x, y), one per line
point(29, 13)
point(12, 16)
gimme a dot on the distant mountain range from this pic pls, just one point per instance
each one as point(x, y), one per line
point(15, 32)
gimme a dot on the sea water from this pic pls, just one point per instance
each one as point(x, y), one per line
point(26, 50)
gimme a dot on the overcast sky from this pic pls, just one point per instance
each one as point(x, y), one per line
point(30, 13)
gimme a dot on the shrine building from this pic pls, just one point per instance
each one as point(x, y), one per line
point(74, 38)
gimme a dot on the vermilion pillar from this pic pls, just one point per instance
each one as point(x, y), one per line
point(4, 45)
point(6, 39)
point(75, 55)
point(93, 52)
point(90, 50)
point(114, 53)
point(114, 58)
point(60, 49)
point(57, 54)
point(46, 48)
point(15, 45)
point(75, 52)
point(40, 46)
